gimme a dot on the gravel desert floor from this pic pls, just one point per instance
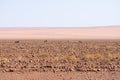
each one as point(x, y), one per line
point(59, 59)
point(61, 76)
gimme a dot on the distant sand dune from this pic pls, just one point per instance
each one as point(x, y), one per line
point(61, 33)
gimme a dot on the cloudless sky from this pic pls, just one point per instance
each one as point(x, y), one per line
point(59, 13)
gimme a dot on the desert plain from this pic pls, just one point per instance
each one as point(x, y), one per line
point(60, 53)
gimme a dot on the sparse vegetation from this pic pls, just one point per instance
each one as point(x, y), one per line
point(5, 60)
point(111, 56)
point(102, 56)
point(59, 56)
point(44, 55)
point(66, 58)
point(73, 58)
point(56, 59)
point(94, 56)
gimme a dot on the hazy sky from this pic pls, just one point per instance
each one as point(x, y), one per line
point(59, 13)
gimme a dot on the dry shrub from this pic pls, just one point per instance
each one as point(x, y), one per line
point(102, 56)
point(111, 56)
point(69, 58)
point(89, 56)
point(94, 56)
point(44, 55)
point(98, 56)
point(21, 59)
point(73, 58)
point(5, 60)
point(56, 59)
point(64, 58)
point(105, 60)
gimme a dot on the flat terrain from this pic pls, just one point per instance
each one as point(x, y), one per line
point(60, 53)
point(61, 76)
point(59, 59)
point(111, 32)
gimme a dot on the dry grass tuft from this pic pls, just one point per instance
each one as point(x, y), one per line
point(111, 56)
point(5, 60)
point(56, 59)
point(102, 56)
point(89, 56)
point(44, 55)
point(73, 58)
point(66, 58)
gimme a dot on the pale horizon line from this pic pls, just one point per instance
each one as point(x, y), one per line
point(61, 33)
point(62, 26)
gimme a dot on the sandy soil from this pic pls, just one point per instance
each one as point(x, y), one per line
point(61, 76)
point(61, 33)
point(59, 59)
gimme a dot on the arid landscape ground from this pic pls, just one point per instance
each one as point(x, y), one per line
point(101, 32)
point(60, 54)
